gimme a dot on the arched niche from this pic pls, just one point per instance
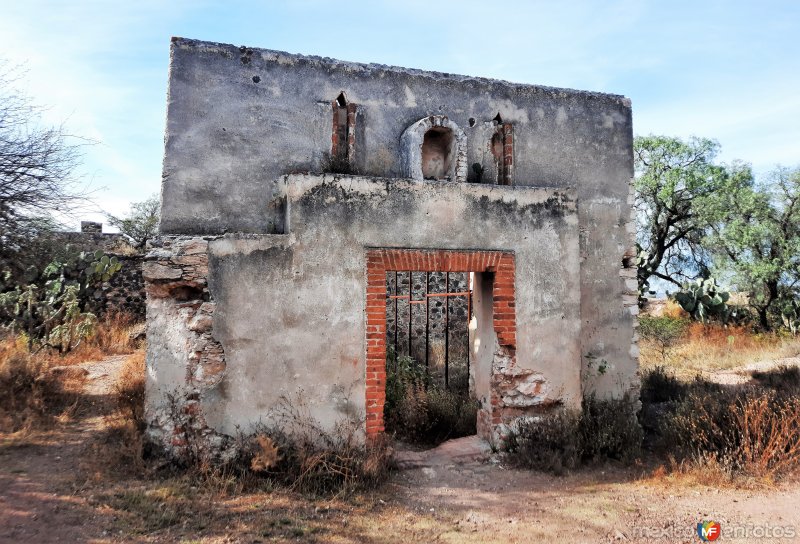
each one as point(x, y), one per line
point(434, 148)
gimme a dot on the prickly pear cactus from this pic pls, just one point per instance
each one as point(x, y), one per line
point(704, 300)
point(102, 268)
point(53, 310)
point(643, 273)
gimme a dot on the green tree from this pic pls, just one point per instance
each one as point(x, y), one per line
point(141, 224)
point(754, 232)
point(675, 180)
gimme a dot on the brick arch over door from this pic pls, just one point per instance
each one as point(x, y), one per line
point(380, 261)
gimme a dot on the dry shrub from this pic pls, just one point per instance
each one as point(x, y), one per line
point(420, 409)
point(550, 443)
point(129, 389)
point(703, 472)
point(673, 310)
point(662, 332)
point(603, 429)
point(784, 379)
point(294, 452)
point(770, 434)
point(122, 247)
point(751, 431)
point(111, 335)
point(660, 385)
point(408, 418)
point(451, 414)
point(730, 336)
point(31, 393)
point(266, 455)
point(315, 460)
point(432, 414)
point(609, 429)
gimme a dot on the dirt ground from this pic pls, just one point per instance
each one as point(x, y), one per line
point(744, 374)
point(50, 492)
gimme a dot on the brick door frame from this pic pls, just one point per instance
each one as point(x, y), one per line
point(380, 261)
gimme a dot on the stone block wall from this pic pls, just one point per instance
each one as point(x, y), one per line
point(124, 292)
point(176, 272)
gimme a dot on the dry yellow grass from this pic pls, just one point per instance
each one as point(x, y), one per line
point(704, 473)
point(120, 447)
point(32, 394)
point(673, 309)
point(706, 349)
point(129, 388)
point(736, 437)
point(111, 336)
point(37, 387)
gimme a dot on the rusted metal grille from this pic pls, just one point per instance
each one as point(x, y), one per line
point(395, 295)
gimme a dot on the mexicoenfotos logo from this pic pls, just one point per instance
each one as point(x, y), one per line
point(708, 530)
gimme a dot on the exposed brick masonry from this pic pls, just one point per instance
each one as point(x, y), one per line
point(508, 154)
point(343, 136)
point(380, 261)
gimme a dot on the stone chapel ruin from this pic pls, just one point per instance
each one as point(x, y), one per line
point(294, 186)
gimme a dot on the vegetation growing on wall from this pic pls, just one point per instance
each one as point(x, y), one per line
point(52, 311)
point(141, 223)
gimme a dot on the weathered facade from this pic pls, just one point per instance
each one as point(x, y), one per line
point(269, 281)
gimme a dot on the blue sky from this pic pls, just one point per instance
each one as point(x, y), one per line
point(726, 70)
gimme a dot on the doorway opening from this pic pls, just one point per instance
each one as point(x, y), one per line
point(435, 320)
point(429, 397)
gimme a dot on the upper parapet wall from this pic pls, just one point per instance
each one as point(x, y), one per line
point(373, 69)
point(238, 118)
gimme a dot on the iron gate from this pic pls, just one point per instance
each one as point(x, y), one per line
point(395, 296)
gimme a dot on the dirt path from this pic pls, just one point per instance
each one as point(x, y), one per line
point(46, 497)
point(491, 503)
point(40, 492)
point(744, 374)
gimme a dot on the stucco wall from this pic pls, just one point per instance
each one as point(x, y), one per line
point(289, 309)
point(239, 118)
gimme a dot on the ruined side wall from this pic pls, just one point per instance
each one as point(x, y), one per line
point(124, 292)
point(239, 322)
point(238, 118)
